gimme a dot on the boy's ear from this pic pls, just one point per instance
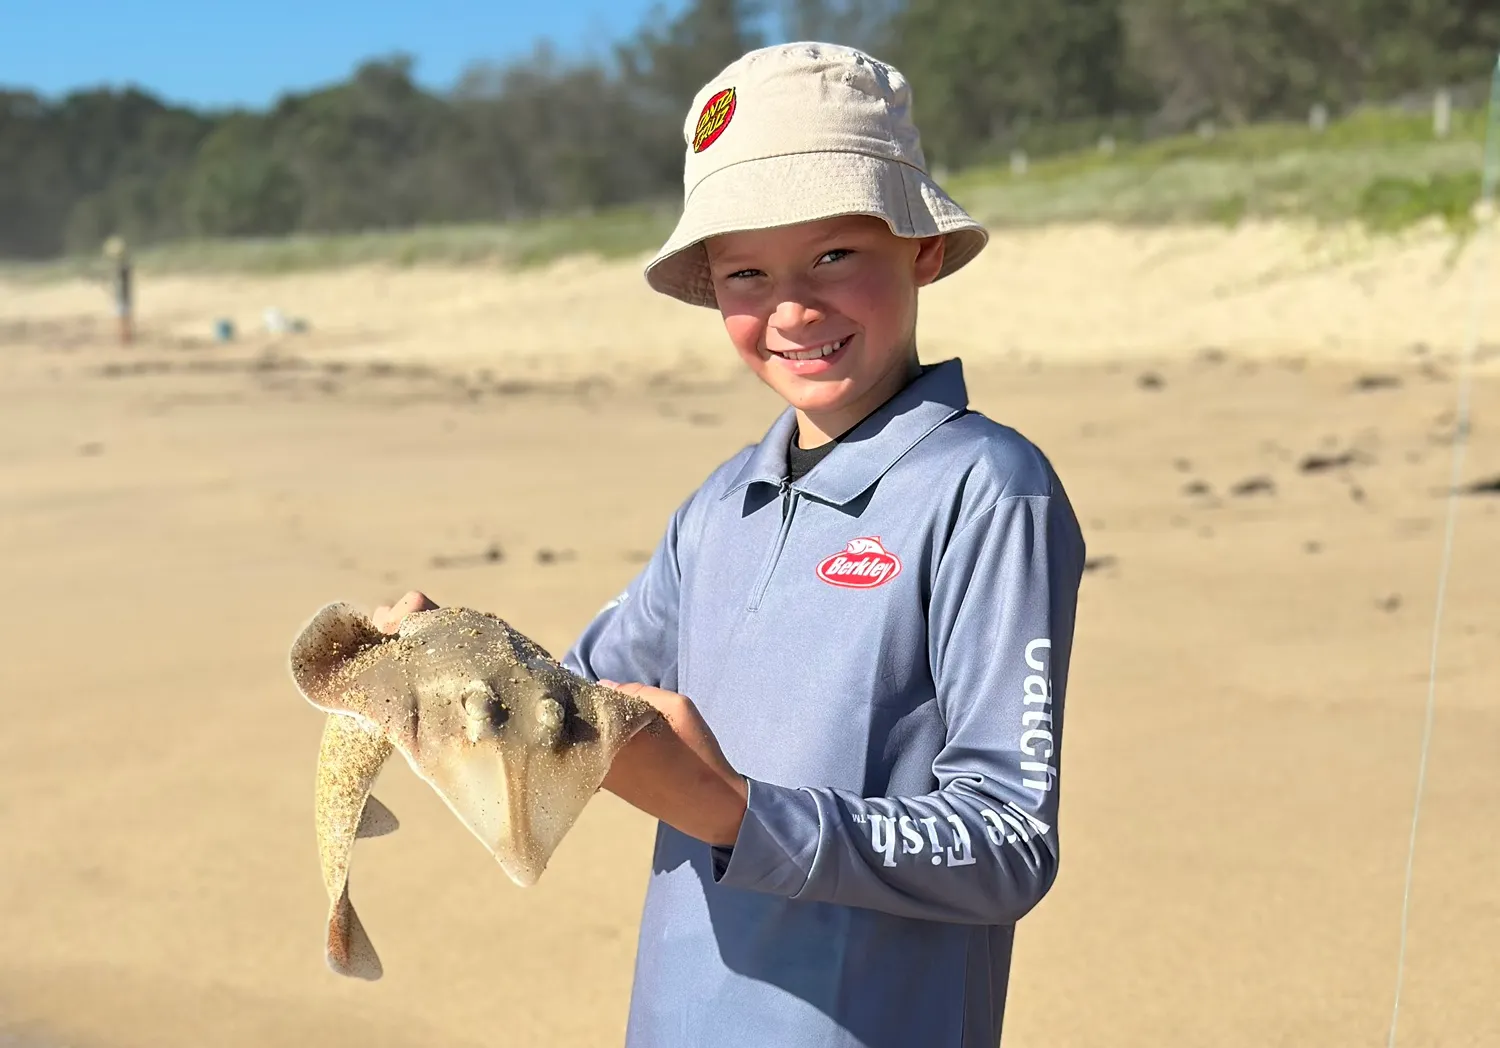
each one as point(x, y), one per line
point(929, 260)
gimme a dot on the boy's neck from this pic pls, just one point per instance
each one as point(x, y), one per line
point(815, 431)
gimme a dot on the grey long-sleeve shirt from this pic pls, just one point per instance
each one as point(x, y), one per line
point(882, 649)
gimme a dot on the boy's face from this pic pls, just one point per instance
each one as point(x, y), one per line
point(789, 294)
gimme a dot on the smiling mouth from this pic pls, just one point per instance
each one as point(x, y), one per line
point(816, 352)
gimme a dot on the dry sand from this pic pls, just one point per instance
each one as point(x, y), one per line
point(1244, 714)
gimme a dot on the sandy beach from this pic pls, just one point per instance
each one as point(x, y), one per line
point(1255, 426)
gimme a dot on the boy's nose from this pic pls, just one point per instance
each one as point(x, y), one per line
point(794, 313)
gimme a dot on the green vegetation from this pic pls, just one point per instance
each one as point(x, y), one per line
point(1382, 169)
point(539, 158)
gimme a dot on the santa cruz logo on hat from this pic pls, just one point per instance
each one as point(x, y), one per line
point(863, 564)
point(717, 112)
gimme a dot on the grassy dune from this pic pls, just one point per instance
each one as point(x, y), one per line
point(1382, 169)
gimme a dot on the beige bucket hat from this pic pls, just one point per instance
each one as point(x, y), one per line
point(798, 133)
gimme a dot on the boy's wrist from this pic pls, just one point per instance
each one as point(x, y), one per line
point(678, 773)
point(729, 830)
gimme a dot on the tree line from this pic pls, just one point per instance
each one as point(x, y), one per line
point(543, 135)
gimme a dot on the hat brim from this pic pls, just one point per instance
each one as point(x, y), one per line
point(808, 187)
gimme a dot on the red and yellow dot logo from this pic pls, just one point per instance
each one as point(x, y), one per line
point(717, 112)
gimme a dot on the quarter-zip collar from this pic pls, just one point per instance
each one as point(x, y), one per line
point(869, 449)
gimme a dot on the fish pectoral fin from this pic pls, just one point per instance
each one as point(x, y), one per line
point(329, 640)
point(350, 951)
point(376, 820)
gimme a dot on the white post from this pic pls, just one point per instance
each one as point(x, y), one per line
point(1018, 161)
point(1107, 145)
point(1317, 118)
point(1442, 113)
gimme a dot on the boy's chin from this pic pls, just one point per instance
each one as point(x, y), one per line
point(817, 398)
point(813, 395)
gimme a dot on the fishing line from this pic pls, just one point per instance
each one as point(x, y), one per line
point(1487, 219)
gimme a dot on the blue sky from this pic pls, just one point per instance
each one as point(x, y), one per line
point(246, 52)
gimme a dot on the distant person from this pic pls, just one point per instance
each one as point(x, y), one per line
point(859, 628)
point(120, 285)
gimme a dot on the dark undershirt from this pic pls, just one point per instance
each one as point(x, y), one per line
point(800, 461)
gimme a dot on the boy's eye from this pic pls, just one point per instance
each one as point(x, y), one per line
point(828, 256)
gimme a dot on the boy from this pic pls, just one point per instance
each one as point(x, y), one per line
point(871, 611)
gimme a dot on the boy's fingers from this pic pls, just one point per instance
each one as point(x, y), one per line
point(415, 600)
point(387, 618)
point(644, 691)
point(676, 708)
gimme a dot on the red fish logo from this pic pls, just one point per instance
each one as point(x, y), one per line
point(717, 112)
point(863, 564)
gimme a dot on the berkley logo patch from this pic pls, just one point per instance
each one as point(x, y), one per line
point(717, 112)
point(863, 564)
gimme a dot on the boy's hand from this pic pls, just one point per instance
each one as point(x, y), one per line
point(387, 618)
point(679, 775)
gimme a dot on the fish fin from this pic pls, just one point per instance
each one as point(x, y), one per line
point(349, 950)
point(336, 634)
point(349, 760)
point(522, 801)
point(377, 820)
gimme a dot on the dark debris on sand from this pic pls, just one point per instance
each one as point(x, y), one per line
point(491, 554)
point(1316, 463)
point(1366, 383)
point(1260, 485)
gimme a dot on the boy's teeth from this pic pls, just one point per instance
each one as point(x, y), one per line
point(814, 354)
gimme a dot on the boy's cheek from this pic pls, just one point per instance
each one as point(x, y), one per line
point(744, 331)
